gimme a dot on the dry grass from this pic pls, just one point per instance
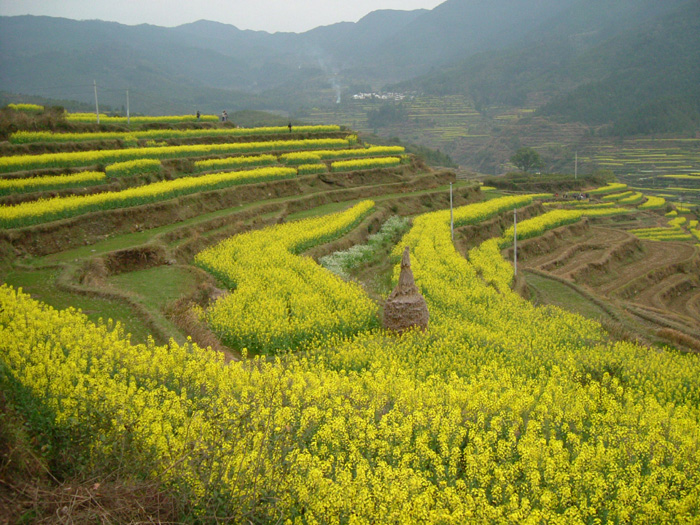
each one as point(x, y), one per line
point(31, 491)
point(679, 339)
point(111, 502)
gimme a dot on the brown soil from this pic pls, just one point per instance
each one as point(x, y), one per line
point(76, 501)
point(7, 148)
point(133, 259)
point(33, 488)
point(89, 280)
point(656, 283)
point(90, 276)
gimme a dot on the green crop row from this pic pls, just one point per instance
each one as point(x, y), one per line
point(29, 137)
point(653, 203)
point(311, 169)
point(605, 212)
point(677, 222)
point(634, 198)
point(671, 235)
point(300, 157)
point(235, 162)
point(131, 168)
point(29, 108)
point(365, 164)
point(86, 158)
point(371, 151)
point(618, 196)
point(40, 211)
point(610, 188)
point(50, 182)
point(580, 204)
point(168, 119)
point(682, 177)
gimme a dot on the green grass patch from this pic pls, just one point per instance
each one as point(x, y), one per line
point(157, 287)
point(550, 291)
point(41, 285)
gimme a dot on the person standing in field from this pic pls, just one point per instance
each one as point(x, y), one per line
point(290, 127)
point(198, 115)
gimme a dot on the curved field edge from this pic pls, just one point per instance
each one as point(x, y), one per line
point(105, 278)
point(502, 410)
point(60, 235)
point(280, 301)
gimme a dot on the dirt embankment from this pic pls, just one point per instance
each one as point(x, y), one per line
point(657, 284)
point(627, 251)
point(471, 235)
point(89, 228)
point(547, 242)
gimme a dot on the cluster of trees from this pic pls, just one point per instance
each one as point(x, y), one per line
point(526, 159)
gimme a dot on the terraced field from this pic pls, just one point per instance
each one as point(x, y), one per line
point(96, 243)
point(258, 386)
point(484, 141)
point(668, 168)
point(656, 286)
point(437, 122)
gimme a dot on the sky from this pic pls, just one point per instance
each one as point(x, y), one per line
point(266, 15)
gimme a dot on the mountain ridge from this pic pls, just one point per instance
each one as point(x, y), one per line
point(562, 53)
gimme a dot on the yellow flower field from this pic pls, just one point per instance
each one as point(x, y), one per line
point(85, 158)
point(365, 164)
point(280, 300)
point(50, 182)
point(502, 412)
point(44, 210)
point(29, 137)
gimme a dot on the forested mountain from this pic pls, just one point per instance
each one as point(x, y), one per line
point(646, 80)
point(208, 63)
point(631, 63)
point(634, 64)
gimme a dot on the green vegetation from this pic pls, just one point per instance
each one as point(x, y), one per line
point(343, 263)
point(545, 290)
point(386, 115)
point(42, 285)
point(527, 159)
point(174, 282)
point(51, 182)
point(348, 422)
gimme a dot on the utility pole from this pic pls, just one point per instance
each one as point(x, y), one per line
point(452, 220)
point(515, 241)
point(128, 118)
point(97, 107)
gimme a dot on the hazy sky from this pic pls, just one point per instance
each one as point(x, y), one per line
point(266, 15)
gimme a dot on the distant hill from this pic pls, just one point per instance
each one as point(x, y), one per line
point(597, 62)
point(460, 28)
point(646, 80)
point(630, 64)
point(208, 65)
